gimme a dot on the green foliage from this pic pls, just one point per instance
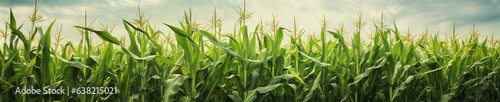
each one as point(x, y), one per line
point(252, 66)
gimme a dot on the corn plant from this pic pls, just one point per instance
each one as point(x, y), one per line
point(254, 63)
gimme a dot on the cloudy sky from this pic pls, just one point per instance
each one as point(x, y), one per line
point(436, 15)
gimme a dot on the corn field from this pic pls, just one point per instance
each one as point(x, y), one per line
point(250, 64)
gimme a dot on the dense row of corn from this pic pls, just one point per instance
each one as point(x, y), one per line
point(251, 66)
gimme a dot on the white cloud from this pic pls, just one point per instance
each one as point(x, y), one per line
point(436, 15)
point(132, 3)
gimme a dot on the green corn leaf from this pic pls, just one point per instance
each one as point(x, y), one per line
point(252, 94)
point(268, 88)
point(150, 57)
point(315, 85)
point(295, 75)
point(16, 77)
point(73, 63)
point(368, 71)
point(103, 35)
point(180, 32)
point(278, 38)
point(172, 87)
point(218, 44)
point(401, 87)
point(316, 60)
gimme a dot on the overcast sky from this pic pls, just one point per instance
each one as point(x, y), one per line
point(416, 14)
